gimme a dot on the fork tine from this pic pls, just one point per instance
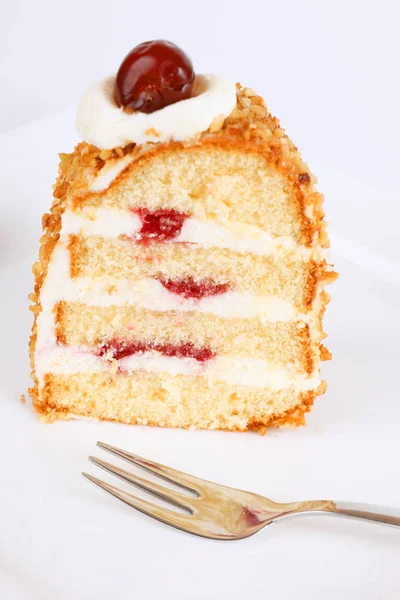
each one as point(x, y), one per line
point(176, 498)
point(170, 517)
point(188, 482)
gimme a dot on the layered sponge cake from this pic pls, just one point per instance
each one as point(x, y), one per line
point(180, 277)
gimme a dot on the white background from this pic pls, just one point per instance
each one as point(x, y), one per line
point(329, 70)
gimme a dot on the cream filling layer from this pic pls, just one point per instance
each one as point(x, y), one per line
point(238, 237)
point(109, 173)
point(152, 295)
point(101, 122)
point(234, 370)
point(50, 358)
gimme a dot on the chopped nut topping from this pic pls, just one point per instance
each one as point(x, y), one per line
point(303, 178)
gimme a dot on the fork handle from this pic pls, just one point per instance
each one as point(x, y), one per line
point(371, 512)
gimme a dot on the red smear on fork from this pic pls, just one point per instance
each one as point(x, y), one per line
point(251, 516)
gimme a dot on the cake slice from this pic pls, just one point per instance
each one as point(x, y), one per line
point(181, 271)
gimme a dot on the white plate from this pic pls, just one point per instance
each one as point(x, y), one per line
point(63, 538)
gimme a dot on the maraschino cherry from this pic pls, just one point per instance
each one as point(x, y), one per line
point(152, 76)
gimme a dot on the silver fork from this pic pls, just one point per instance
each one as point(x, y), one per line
point(217, 511)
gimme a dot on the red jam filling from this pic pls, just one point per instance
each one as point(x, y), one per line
point(118, 349)
point(188, 288)
point(160, 225)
